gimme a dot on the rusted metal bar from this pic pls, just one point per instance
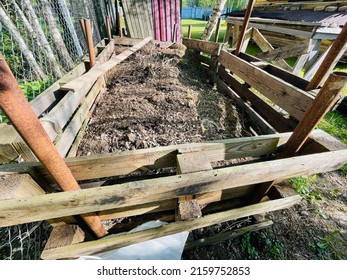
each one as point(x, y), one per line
point(329, 60)
point(18, 110)
point(244, 26)
point(189, 31)
point(322, 104)
point(217, 30)
point(90, 43)
point(108, 25)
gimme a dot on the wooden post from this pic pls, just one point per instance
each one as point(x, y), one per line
point(324, 101)
point(83, 27)
point(174, 33)
point(217, 30)
point(244, 26)
point(330, 59)
point(189, 31)
point(90, 44)
point(108, 26)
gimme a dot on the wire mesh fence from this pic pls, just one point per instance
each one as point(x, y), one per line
point(42, 40)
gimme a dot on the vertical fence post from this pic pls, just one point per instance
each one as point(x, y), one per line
point(90, 44)
point(244, 27)
point(189, 31)
point(18, 110)
point(108, 26)
point(217, 30)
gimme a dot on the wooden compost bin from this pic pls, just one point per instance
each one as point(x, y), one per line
point(198, 196)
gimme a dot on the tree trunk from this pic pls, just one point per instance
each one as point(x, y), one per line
point(217, 10)
point(43, 40)
point(58, 40)
point(22, 45)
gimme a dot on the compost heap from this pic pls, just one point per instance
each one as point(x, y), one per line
point(155, 99)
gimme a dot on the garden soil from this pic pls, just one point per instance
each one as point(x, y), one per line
point(156, 99)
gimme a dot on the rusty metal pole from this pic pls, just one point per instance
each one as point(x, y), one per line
point(18, 110)
point(108, 25)
point(322, 104)
point(90, 43)
point(244, 26)
point(329, 60)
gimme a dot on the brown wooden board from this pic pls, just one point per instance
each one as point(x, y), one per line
point(16, 211)
point(292, 99)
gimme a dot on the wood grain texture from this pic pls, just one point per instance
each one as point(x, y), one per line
point(211, 48)
point(102, 245)
point(48, 206)
point(292, 99)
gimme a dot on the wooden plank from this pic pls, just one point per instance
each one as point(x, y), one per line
point(125, 41)
point(229, 235)
point(292, 99)
point(17, 211)
point(265, 46)
point(279, 72)
point(267, 112)
point(211, 48)
point(190, 162)
point(115, 164)
point(265, 21)
point(93, 247)
point(18, 186)
point(292, 50)
point(263, 126)
point(88, 79)
point(204, 59)
point(167, 205)
point(64, 143)
point(64, 235)
point(43, 101)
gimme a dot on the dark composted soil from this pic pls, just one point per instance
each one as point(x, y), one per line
point(155, 99)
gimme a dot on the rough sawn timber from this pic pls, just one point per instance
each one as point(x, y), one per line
point(17, 211)
point(111, 243)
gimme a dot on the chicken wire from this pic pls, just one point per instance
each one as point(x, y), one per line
point(17, 29)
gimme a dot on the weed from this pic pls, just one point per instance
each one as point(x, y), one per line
point(303, 186)
point(329, 247)
point(246, 245)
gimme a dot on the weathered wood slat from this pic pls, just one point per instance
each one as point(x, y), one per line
point(93, 247)
point(64, 143)
point(211, 48)
point(229, 235)
point(166, 205)
point(64, 235)
point(267, 112)
point(271, 27)
point(262, 124)
point(293, 50)
point(125, 41)
point(18, 186)
point(88, 79)
point(293, 100)
point(17, 211)
point(42, 102)
point(265, 46)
